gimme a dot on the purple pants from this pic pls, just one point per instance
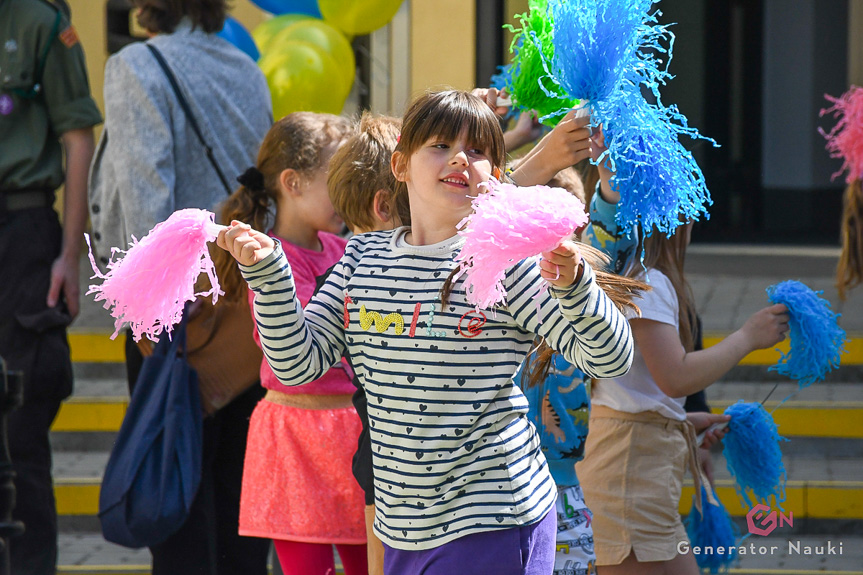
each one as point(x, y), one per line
point(527, 550)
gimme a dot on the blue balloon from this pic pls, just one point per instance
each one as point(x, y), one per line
point(278, 7)
point(234, 33)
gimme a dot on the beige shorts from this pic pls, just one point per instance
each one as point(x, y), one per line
point(632, 476)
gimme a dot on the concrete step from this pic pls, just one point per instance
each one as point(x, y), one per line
point(825, 482)
point(825, 409)
point(89, 554)
point(798, 555)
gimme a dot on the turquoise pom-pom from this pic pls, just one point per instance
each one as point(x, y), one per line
point(752, 454)
point(607, 52)
point(817, 341)
point(713, 529)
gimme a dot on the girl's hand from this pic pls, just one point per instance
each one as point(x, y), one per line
point(248, 246)
point(566, 145)
point(562, 266)
point(705, 461)
point(767, 327)
point(703, 420)
point(597, 148)
point(597, 143)
point(490, 96)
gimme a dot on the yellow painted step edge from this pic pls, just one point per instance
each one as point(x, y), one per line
point(835, 421)
point(97, 347)
point(809, 499)
point(805, 499)
point(104, 569)
point(853, 347)
point(822, 419)
point(91, 414)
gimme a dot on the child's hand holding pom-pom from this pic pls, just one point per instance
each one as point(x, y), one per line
point(248, 246)
point(561, 267)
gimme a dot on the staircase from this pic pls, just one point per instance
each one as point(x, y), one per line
point(823, 459)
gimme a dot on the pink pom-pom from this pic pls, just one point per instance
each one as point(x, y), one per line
point(149, 285)
point(845, 140)
point(509, 224)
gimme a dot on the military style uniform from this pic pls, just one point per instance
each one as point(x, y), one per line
point(44, 93)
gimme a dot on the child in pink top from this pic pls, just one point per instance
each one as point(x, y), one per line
point(297, 484)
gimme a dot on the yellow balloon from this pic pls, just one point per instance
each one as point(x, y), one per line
point(325, 37)
point(302, 77)
point(265, 32)
point(357, 17)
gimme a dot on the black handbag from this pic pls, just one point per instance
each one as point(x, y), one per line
point(154, 470)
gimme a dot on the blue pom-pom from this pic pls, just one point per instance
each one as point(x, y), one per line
point(751, 450)
point(503, 78)
point(660, 183)
point(605, 52)
point(596, 44)
point(714, 529)
point(817, 341)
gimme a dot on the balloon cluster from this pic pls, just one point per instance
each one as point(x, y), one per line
point(305, 49)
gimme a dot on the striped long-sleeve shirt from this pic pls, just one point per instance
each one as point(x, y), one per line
point(453, 450)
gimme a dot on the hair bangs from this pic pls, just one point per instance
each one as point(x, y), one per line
point(447, 115)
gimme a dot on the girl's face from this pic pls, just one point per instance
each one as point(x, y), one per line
point(314, 203)
point(442, 177)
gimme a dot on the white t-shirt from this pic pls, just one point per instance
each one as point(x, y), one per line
point(636, 391)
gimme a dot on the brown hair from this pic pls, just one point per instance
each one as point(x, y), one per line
point(619, 289)
point(361, 167)
point(163, 16)
point(849, 271)
point(300, 141)
point(569, 180)
point(668, 254)
point(446, 115)
point(589, 178)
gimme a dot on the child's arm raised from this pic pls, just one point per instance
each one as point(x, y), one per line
point(566, 145)
point(678, 373)
point(300, 345)
point(575, 316)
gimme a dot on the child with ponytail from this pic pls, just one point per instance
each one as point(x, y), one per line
point(297, 484)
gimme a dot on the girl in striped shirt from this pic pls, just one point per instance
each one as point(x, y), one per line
point(460, 481)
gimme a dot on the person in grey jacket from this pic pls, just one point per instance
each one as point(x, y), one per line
point(148, 164)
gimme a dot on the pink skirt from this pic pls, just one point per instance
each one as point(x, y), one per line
point(297, 480)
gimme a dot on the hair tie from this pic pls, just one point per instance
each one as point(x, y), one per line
point(252, 179)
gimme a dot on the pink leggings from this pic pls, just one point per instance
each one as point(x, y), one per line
point(317, 558)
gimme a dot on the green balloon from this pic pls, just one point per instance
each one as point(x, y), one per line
point(358, 17)
point(302, 77)
point(326, 38)
point(264, 33)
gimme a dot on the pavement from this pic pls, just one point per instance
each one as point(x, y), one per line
point(825, 421)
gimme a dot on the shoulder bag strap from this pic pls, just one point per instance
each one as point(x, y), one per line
point(185, 105)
